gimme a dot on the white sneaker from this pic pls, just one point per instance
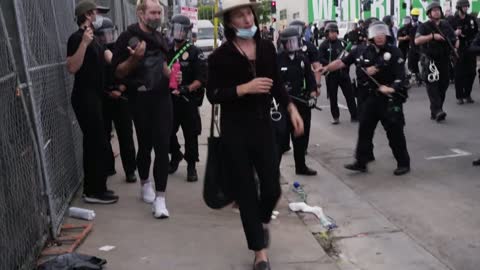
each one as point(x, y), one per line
point(159, 208)
point(147, 193)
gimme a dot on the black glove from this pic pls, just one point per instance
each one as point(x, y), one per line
point(183, 90)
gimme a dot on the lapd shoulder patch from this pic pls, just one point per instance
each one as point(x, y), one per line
point(185, 55)
point(304, 48)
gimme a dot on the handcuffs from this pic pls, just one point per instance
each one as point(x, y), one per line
point(434, 75)
point(275, 114)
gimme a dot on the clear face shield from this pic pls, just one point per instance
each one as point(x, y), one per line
point(180, 32)
point(378, 30)
point(291, 44)
point(107, 36)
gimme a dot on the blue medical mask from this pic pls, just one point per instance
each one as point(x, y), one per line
point(247, 33)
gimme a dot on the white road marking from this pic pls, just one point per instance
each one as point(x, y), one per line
point(458, 153)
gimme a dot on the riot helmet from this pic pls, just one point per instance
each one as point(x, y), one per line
point(105, 30)
point(432, 5)
point(377, 29)
point(299, 25)
point(180, 28)
point(290, 39)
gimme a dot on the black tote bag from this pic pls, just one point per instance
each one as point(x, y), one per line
point(215, 186)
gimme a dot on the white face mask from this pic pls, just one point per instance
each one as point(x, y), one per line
point(247, 33)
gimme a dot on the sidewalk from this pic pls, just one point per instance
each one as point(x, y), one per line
point(194, 237)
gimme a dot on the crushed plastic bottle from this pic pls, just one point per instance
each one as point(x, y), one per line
point(298, 188)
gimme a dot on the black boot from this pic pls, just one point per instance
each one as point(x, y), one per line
point(173, 166)
point(192, 173)
point(401, 170)
point(356, 166)
point(305, 171)
point(131, 178)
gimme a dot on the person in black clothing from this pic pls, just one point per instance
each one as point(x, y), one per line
point(388, 20)
point(115, 106)
point(434, 37)
point(86, 58)
point(414, 50)
point(301, 86)
point(355, 37)
point(330, 50)
point(381, 72)
point(310, 50)
point(139, 59)
point(466, 28)
point(316, 34)
point(186, 99)
point(243, 77)
point(404, 36)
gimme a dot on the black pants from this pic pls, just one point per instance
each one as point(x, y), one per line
point(187, 116)
point(248, 147)
point(153, 119)
point(300, 144)
point(437, 90)
point(118, 111)
point(334, 80)
point(362, 97)
point(465, 75)
point(413, 59)
point(377, 109)
point(87, 105)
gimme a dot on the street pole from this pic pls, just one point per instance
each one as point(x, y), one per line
point(215, 26)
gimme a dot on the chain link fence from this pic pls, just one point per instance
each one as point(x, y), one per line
point(23, 209)
point(40, 139)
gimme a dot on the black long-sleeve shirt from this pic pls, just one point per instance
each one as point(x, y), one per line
point(228, 68)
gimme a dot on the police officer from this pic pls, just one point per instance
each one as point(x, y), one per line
point(466, 28)
point(299, 80)
point(310, 50)
point(330, 50)
point(414, 50)
point(355, 37)
point(388, 20)
point(404, 36)
point(115, 106)
point(381, 71)
point(187, 98)
point(436, 38)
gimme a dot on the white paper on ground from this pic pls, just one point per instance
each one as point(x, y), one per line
point(107, 248)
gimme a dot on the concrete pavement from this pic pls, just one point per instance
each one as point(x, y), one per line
point(428, 219)
point(194, 237)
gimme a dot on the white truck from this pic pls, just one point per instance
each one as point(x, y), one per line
point(205, 40)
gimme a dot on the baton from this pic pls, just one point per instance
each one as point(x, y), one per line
point(378, 84)
point(305, 102)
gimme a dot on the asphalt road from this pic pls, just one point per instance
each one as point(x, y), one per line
point(438, 203)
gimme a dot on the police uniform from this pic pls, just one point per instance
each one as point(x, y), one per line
point(465, 67)
point(414, 51)
point(300, 82)
point(117, 110)
point(356, 37)
point(378, 107)
point(404, 44)
point(328, 52)
point(435, 65)
point(185, 107)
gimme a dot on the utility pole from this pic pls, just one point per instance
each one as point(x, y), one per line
point(215, 26)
